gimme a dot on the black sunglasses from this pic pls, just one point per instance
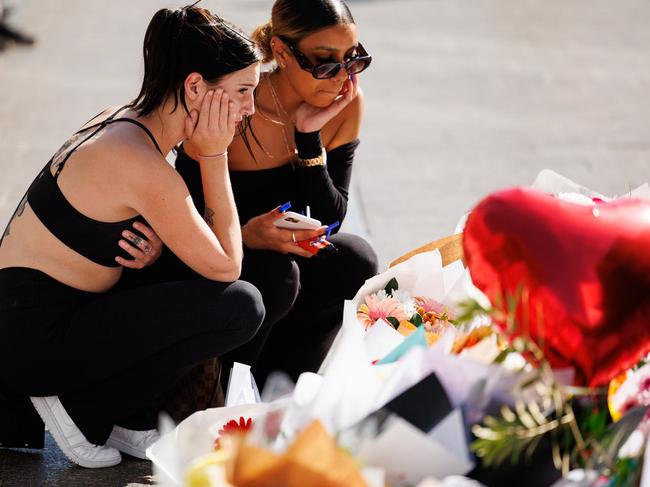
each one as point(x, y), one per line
point(353, 65)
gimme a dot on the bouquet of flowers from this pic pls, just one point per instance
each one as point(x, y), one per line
point(406, 313)
point(539, 353)
point(312, 458)
point(356, 400)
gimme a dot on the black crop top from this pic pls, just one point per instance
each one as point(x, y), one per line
point(323, 188)
point(95, 240)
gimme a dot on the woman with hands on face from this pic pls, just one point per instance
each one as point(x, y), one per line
point(298, 146)
point(93, 359)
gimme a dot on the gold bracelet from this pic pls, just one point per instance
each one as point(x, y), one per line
point(213, 156)
point(314, 161)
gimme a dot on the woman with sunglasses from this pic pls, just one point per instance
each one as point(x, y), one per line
point(92, 360)
point(299, 146)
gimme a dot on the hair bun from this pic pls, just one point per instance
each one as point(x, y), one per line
point(262, 37)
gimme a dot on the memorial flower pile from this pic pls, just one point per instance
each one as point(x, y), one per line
point(534, 347)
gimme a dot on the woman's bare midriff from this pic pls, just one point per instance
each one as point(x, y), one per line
point(30, 244)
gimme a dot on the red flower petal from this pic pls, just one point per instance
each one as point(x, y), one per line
point(233, 426)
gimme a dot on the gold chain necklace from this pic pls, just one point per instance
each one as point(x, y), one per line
point(276, 100)
point(268, 118)
point(291, 148)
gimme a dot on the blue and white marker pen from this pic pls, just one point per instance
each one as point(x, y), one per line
point(331, 227)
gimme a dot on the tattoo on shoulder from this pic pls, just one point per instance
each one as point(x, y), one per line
point(58, 158)
point(208, 216)
point(19, 212)
point(21, 207)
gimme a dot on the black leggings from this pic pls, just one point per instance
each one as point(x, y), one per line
point(303, 299)
point(306, 296)
point(109, 356)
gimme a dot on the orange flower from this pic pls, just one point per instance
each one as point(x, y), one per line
point(432, 310)
point(468, 340)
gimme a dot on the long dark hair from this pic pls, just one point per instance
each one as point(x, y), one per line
point(186, 40)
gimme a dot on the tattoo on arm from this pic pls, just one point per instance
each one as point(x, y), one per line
point(208, 216)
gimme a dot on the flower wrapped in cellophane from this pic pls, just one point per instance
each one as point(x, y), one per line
point(361, 404)
point(406, 313)
point(422, 356)
point(420, 293)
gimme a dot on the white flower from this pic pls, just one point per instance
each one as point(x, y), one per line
point(381, 294)
point(407, 301)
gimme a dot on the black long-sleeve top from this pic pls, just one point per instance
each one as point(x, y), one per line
point(323, 188)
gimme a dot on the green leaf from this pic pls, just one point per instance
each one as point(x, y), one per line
point(502, 355)
point(393, 321)
point(416, 319)
point(615, 436)
point(392, 285)
point(468, 310)
point(515, 434)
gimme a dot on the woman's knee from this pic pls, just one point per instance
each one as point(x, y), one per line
point(277, 277)
point(247, 308)
point(366, 262)
point(358, 260)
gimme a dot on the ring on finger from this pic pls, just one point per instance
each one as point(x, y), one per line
point(137, 241)
point(293, 237)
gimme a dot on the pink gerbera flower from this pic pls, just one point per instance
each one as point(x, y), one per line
point(432, 306)
point(380, 307)
point(429, 305)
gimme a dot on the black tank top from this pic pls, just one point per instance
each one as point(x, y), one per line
point(95, 240)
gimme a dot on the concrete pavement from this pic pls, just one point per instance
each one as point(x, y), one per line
point(463, 98)
point(50, 468)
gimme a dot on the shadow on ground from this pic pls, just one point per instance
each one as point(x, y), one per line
point(49, 467)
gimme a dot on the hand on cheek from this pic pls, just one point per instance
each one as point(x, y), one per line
point(352, 84)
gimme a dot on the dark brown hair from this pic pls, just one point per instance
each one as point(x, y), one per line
point(293, 20)
point(296, 19)
point(186, 40)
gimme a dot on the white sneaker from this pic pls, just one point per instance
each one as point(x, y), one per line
point(70, 439)
point(131, 442)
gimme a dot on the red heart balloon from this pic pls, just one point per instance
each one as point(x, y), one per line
point(585, 269)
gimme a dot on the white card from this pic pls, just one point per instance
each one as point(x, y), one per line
point(409, 455)
point(451, 433)
point(240, 386)
point(381, 339)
